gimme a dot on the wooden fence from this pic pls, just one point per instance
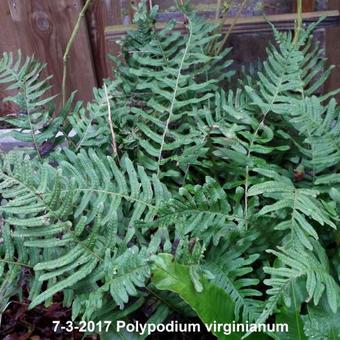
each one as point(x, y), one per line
point(43, 27)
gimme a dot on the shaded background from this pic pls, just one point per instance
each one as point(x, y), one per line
point(43, 27)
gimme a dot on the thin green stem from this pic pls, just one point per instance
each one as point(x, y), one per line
point(231, 27)
point(218, 9)
point(298, 26)
point(15, 263)
point(113, 136)
point(69, 46)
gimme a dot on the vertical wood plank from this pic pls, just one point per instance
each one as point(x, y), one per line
point(104, 13)
point(307, 5)
point(9, 41)
point(101, 14)
point(253, 7)
point(333, 51)
point(42, 28)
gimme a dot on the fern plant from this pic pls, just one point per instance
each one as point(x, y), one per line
point(214, 197)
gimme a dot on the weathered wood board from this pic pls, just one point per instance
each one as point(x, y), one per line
point(252, 7)
point(333, 51)
point(103, 13)
point(42, 28)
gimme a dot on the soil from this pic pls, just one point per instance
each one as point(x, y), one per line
point(19, 323)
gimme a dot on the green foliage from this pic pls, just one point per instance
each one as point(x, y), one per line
point(210, 302)
point(34, 116)
point(200, 211)
point(231, 266)
point(292, 314)
point(79, 219)
point(221, 203)
point(320, 323)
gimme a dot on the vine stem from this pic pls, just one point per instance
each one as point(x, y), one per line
point(69, 46)
point(298, 26)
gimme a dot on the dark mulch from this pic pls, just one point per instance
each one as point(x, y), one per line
point(19, 323)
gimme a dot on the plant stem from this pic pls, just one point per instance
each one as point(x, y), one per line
point(114, 145)
point(298, 26)
point(15, 263)
point(238, 15)
point(174, 98)
point(218, 9)
point(69, 46)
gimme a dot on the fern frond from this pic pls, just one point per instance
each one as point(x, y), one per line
point(299, 264)
point(321, 323)
point(214, 177)
point(124, 273)
point(85, 207)
point(201, 211)
point(145, 20)
point(161, 69)
point(303, 205)
point(320, 127)
point(90, 123)
point(231, 268)
point(29, 94)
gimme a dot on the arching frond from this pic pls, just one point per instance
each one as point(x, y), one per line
point(32, 102)
point(295, 264)
point(79, 210)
